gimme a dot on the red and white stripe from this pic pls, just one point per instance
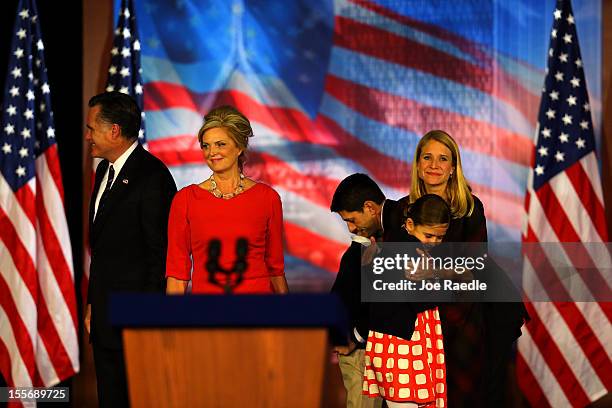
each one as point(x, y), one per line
point(565, 351)
point(285, 131)
point(38, 317)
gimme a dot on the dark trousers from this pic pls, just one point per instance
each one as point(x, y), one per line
point(111, 377)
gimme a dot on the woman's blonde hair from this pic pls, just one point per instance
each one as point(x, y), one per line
point(237, 125)
point(458, 191)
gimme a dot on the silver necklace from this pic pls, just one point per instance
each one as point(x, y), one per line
point(214, 189)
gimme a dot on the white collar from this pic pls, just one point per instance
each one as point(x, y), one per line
point(118, 164)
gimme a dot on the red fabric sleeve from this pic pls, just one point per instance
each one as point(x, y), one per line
point(274, 257)
point(178, 261)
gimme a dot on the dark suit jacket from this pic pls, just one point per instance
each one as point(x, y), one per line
point(128, 238)
point(395, 318)
point(469, 229)
point(348, 287)
point(392, 220)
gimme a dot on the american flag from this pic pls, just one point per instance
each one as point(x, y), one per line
point(564, 353)
point(334, 88)
point(343, 86)
point(124, 75)
point(38, 318)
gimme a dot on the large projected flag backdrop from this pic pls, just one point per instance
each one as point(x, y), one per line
point(334, 88)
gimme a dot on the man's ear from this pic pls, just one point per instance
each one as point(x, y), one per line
point(370, 207)
point(115, 131)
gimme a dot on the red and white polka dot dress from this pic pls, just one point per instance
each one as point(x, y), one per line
point(408, 370)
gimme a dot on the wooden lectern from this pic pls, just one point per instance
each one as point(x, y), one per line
point(228, 351)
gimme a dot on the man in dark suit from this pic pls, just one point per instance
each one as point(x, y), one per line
point(371, 217)
point(128, 217)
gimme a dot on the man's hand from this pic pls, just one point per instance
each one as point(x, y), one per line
point(87, 318)
point(368, 254)
point(345, 350)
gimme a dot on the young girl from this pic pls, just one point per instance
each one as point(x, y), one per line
point(404, 366)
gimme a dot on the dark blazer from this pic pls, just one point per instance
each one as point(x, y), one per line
point(503, 320)
point(348, 280)
point(128, 238)
point(392, 220)
point(469, 229)
point(348, 287)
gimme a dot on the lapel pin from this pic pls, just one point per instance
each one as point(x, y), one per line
point(125, 181)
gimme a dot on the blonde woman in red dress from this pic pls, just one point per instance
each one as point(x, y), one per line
point(226, 206)
point(410, 371)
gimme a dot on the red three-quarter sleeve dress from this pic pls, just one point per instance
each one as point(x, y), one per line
point(197, 217)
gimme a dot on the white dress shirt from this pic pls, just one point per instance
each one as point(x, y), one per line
point(117, 165)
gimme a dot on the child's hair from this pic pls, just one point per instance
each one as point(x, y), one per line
point(429, 209)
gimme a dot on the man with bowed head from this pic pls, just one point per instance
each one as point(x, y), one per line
point(371, 217)
point(128, 216)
